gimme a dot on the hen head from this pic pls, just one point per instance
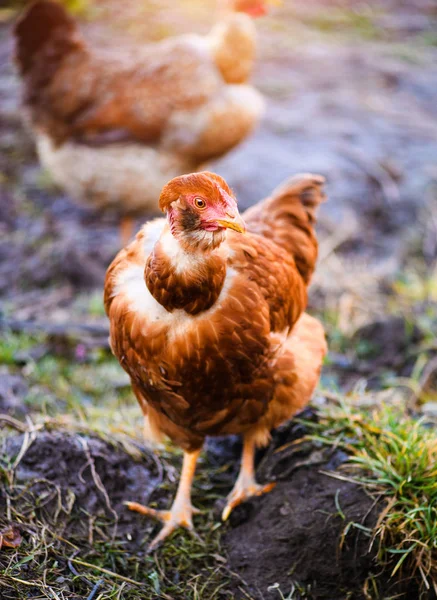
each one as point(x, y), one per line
point(199, 208)
point(253, 8)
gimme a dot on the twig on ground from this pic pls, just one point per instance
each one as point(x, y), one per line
point(96, 478)
point(95, 589)
point(107, 571)
point(29, 437)
point(75, 571)
point(15, 423)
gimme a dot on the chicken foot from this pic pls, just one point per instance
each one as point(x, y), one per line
point(245, 486)
point(181, 512)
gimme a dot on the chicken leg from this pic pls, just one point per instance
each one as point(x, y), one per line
point(245, 486)
point(181, 512)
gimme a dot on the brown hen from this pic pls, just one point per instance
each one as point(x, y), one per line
point(208, 321)
point(113, 125)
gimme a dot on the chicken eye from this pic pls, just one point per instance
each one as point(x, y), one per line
point(199, 203)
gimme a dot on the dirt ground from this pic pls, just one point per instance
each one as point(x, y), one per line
point(76, 486)
point(290, 533)
point(308, 538)
point(101, 477)
point(350, 91)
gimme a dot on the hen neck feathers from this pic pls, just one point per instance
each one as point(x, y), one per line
point(182, 279)
point(232, 42)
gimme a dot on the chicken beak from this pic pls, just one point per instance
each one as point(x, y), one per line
point(234, 222)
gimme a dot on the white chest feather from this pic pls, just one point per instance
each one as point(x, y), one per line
point(132, 286)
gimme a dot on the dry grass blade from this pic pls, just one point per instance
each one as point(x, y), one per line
point(96, 478)
point(106, 571)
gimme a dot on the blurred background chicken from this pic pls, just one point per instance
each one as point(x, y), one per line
point(112, 126)
point(210, 324)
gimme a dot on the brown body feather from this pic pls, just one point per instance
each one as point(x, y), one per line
point(113, 125)
point(247, 359)
point(180, 291)
point(75, 91)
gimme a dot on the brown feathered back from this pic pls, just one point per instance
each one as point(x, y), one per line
point(75, 91)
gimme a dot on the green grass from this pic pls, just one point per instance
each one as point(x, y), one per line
point(11, 345)
point(88, 384)
point(398, 456)
point(357, 22)
point(413, 286)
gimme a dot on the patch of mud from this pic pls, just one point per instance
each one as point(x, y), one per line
point(310, 537)
point(75, 482)
point(292, 537)
point(310, 532)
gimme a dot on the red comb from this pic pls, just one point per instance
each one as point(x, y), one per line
point(256, 11)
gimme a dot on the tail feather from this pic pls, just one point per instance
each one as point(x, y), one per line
point(306, 189)
point(42, 22)
point(288, 217)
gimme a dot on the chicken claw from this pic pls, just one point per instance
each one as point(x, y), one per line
point(178, 516)
point(182, 511)
point(245, 487)
point(240, 494)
